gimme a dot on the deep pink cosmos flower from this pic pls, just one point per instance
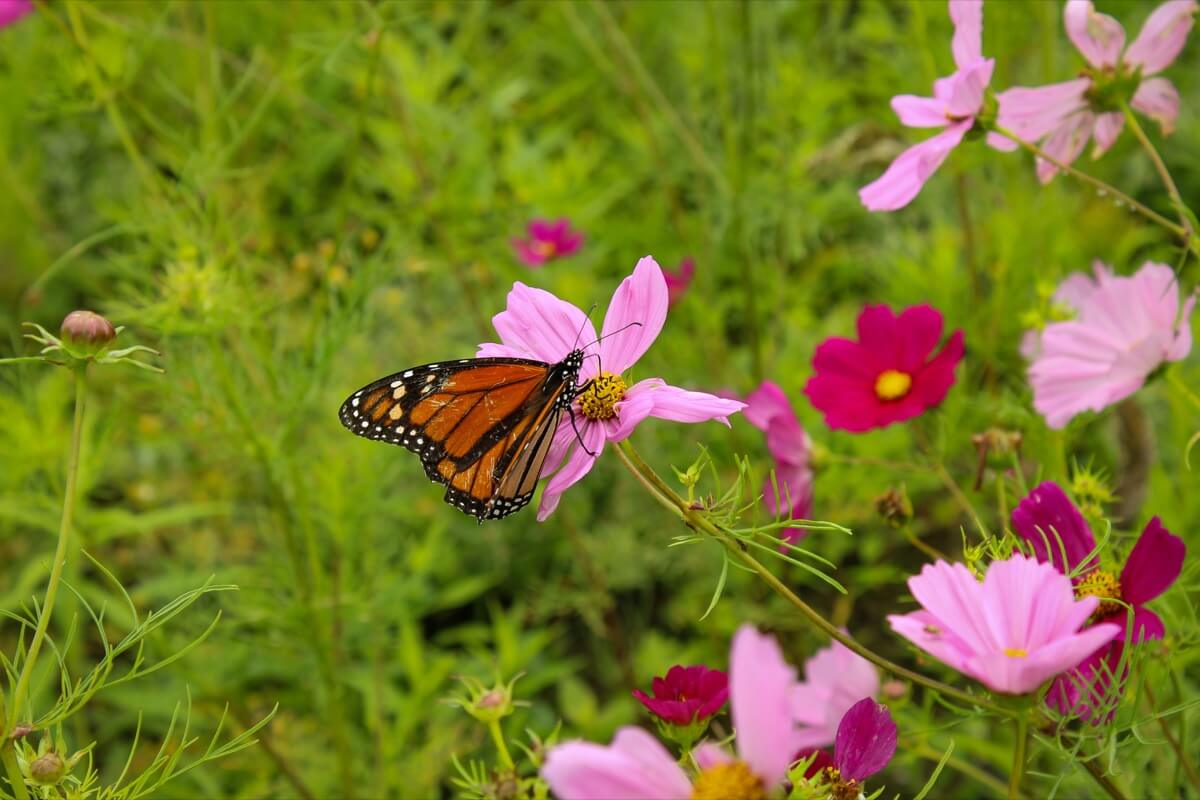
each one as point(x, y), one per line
point(865, 741)
point(1059, 534)
point(637, 767)
point(791, 493)
point(13, 10)
point(1126, 327)
point(958, 100)
point(686, 695)
point(536, 324)
point(1092, 690)
point(548, 240)
point(679, 279)
point(886, 376)
point(1064, 116)
point(1012, 632)
point(835, 678)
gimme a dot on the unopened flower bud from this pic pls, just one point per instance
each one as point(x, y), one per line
point(895, 507)
point(486, 704)
point(48, 769)
point(86, 332)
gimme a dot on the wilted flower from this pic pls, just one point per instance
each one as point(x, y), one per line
point(1012, 632)
point(887, 375)
point(13, 10)
point(538, 325)
point(835, 678)
point(548, 240)
point(679, 279)
point(791, 493)
point(1064, 116)
point(895, 507)
point(686, 695)
point(1126, 328)
point(958, 102)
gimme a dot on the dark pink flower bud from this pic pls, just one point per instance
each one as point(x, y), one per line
point(87, 331)
point(686, 695)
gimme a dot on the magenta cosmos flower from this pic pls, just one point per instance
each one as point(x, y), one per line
point(686, 695)
point(1065, 116)
point(1012, 632)
point(957, 102)
point(13, 10)
point(865, 743)
point(1092, 690)
point(886, 376)
point(791, 493)
point(835, 678)
point(679, 279)
point(1059, 535)
point(637, 767)
point(1126, 327)
point(548, 240)
point(536, 324)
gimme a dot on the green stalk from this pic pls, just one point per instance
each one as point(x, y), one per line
point(60, 552)
point(666, 496)
point(1163, 172)
point(13, 769)
point(1018, 767)
point(498, 737)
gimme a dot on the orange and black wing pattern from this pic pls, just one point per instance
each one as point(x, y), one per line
point(482, 427)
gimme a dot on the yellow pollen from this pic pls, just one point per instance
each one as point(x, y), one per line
point(892, 384)
point(1104, 585)
point(602, 392)
point(1015, 652)
point(543, 248)
point(732, 781)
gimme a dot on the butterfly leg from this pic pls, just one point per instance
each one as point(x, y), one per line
point(578, 435)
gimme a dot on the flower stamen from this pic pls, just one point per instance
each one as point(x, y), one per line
point(599, 398)
point(732, 781)
point(892, 384)
point(1104, 585)
point(1015, 652)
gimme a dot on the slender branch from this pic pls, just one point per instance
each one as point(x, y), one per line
point(667, 496)
point(1160, 165)
point(1102, 780)
point(1185, 762)
point(60, 552)
point(13, 769)
point(966, 768)
point(498, 738)
point(1018, 767)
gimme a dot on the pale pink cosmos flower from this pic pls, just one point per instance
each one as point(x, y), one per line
point(835, 679)
point(13, 10)
point(956, 103)
point(536, 324)
point(1012, 632)
point(1065, 116)
point(1125, 328)
point(637, 767)
point(791, 493)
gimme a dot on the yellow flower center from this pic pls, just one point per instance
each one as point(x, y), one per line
point(733, 781)
point(602, 393)
point(543, 248)
point(1104, 585)
point(1015, 652)
point(892, 384)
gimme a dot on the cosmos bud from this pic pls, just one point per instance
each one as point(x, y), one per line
point(86, 332)
point(48, 769)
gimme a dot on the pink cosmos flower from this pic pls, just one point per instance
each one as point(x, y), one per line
point(637, 767)
point(679, 279)
point(1059, 535)
point(13, 10)
point(1012, 632)
point(835, 679)
point(686, 694)
point(768, 409)
point(1064, 116)
point(957, 102)
point(536, 324)
point(886, 376)
point(548, 240)
point(1126, 327)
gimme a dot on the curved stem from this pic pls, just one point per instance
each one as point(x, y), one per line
point(695, 520)
point(1018, 767)
point(1110, 788)
point(60, 552)
point(1096, 183)
point(1161, 167)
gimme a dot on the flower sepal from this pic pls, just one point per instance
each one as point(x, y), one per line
point(685, 735)
point(486, 704)
point(85, 338)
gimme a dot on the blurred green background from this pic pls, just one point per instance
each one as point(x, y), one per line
point(290, 199)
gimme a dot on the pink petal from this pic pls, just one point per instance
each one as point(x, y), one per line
point(13, 10)
point(526, 253)
point(634, 767)
point(759, 681)
point(1099, 37)
point(866, 740)
point(933, 382)
point(637, 404)
point(1065, 143)
point(966, 89)
point(638, 310)
point(1088, 689)
point(907, 174)
point(1051, 523)
point(1158, 99)
point(1143, 625)
point(680, 405)
point(578, 464)
point(835, 678)
point(492, 350)
point(1108, 128)
point(919, 329)
point(920, 112)
point(540, 325)
point(1153, 564)
point(967, 45)
point(1162, 37)
point(1031, 113)
point(710, 755)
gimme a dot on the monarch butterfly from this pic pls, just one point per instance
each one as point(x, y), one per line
point(482, 427)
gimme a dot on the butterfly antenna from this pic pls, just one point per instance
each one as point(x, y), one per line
point(614, 333)
point(579, 332)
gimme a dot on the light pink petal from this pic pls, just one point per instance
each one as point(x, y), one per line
point(493, 350)
point(967, 45)
point(526, 253)
point(540, 325)
point(1158, 99)
point(927, 632)
point(1001, 143)
point(680, 405)
point(1031, 113)
point(637, 404)
point(1065, 143)
point(759, 682)
point(1108, 128)
point(578, 464)
point(638, 310)
point(13, 10)
point(903, 180)
point(634, 767)
point(835, 678)
point(920, 112)
point(966, 89)
point(1162, 37)
point(709, 755)
point(1099, 37)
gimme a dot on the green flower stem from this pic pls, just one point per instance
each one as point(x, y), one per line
point(1102, 780)
point(1100, 185)
point(60, 552)
point(698, 521)
point(498, 737)
point(13, 770)
point(1018, 767)
point(1163, 172)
